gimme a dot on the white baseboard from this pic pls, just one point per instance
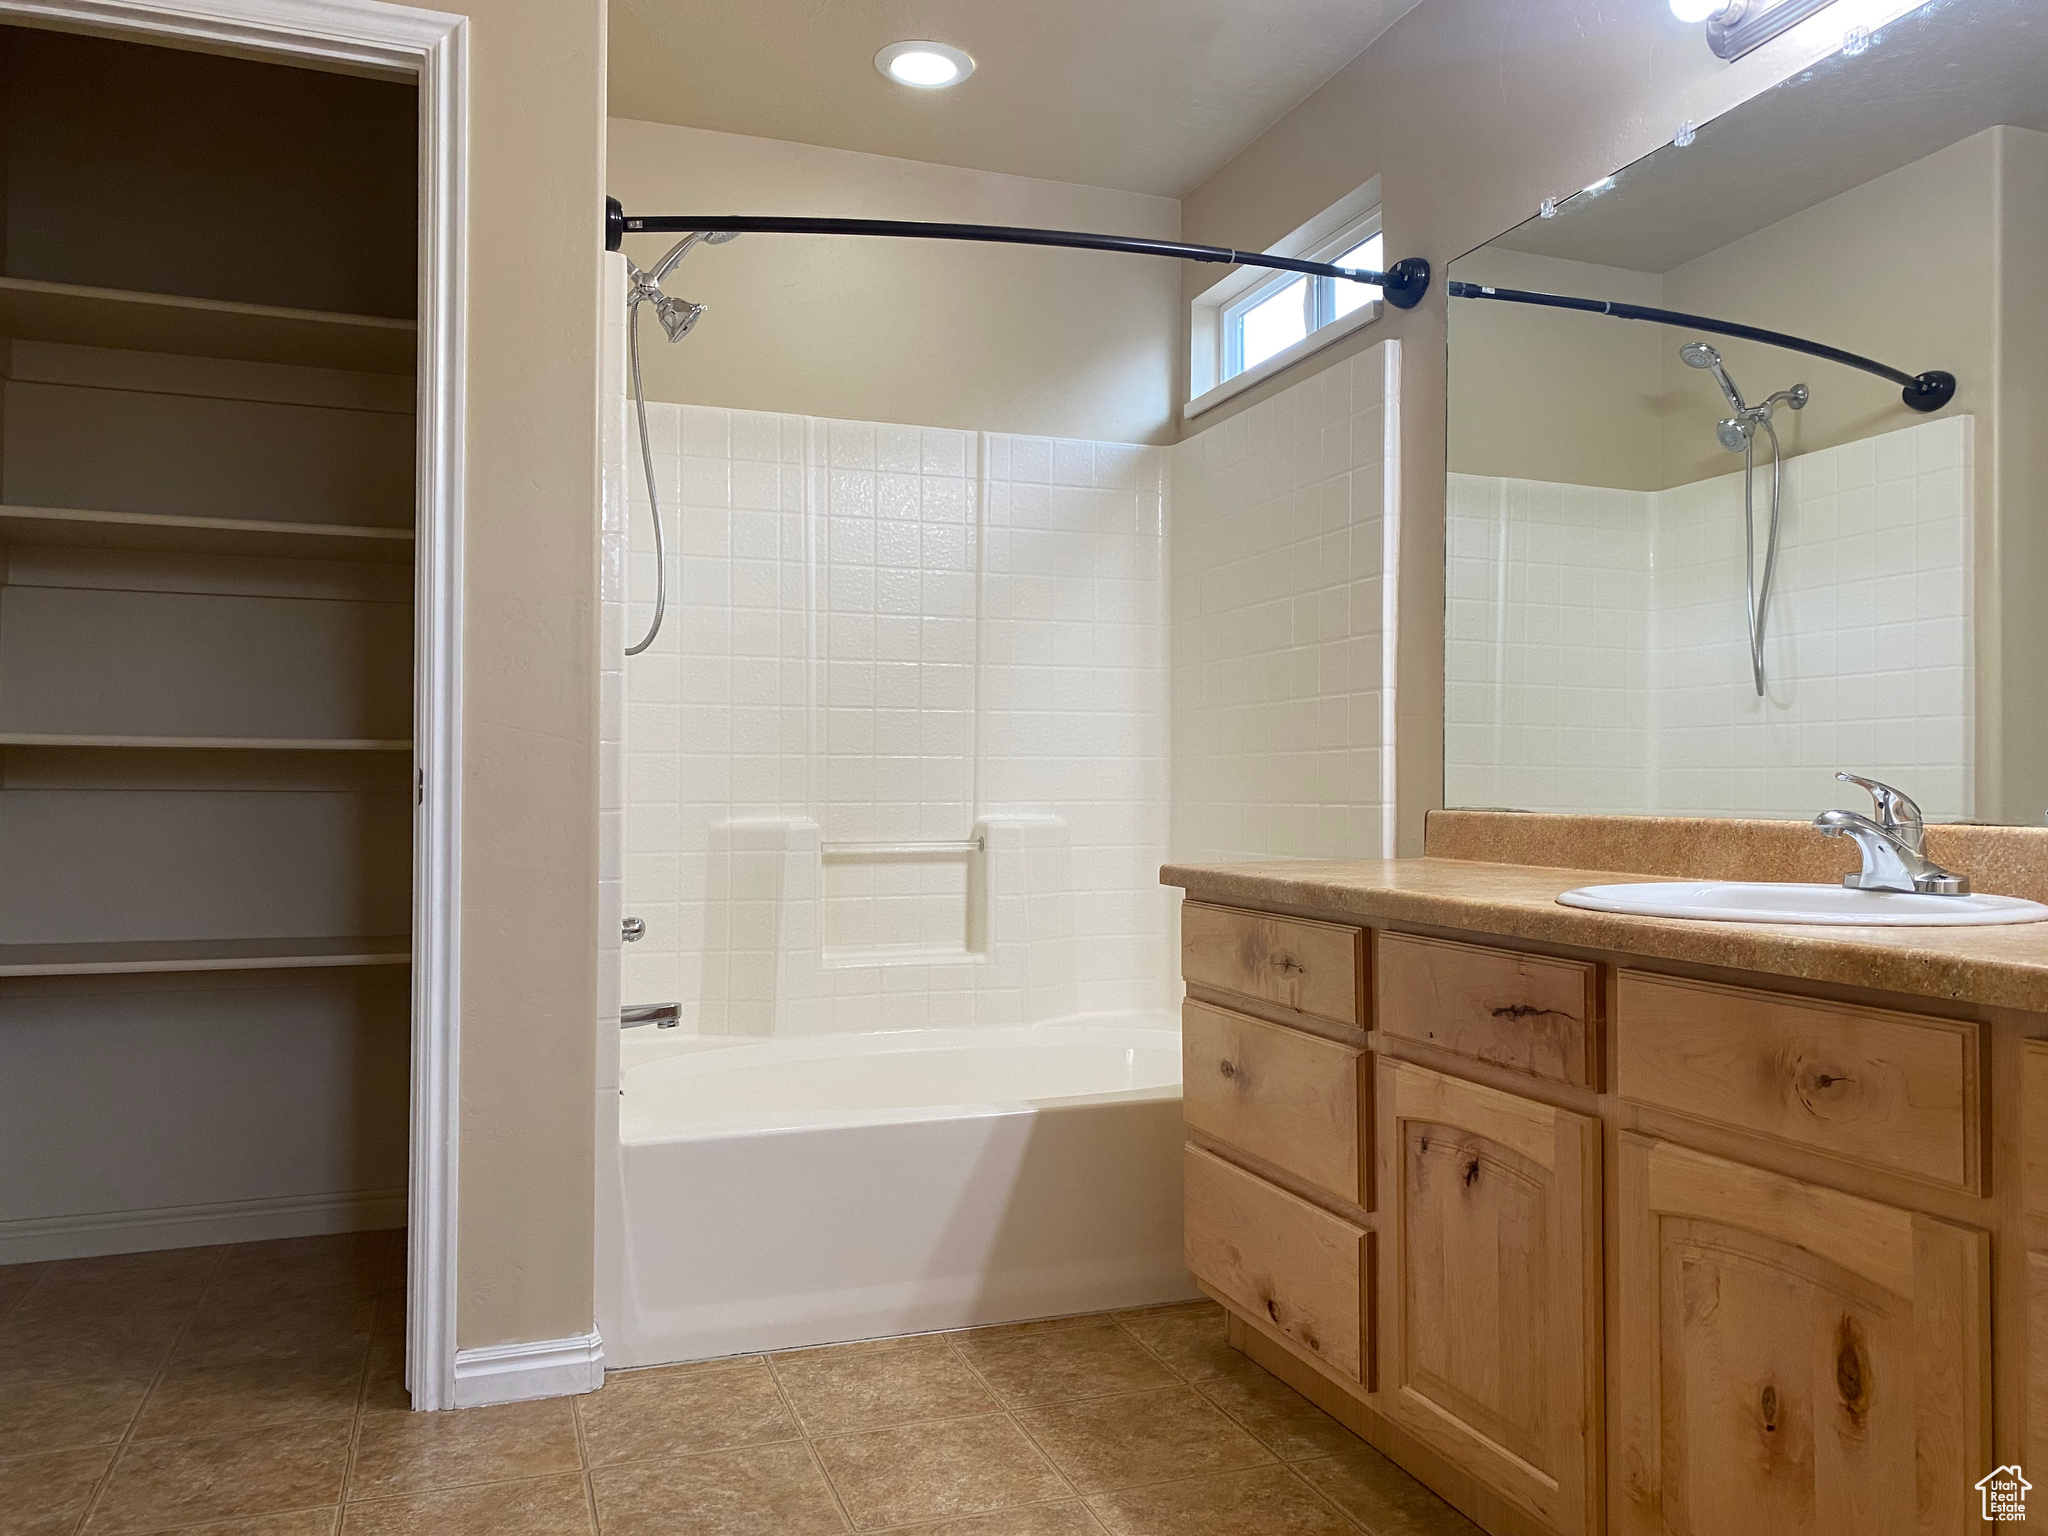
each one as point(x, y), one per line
point(512, 1373)
point(32, 1240)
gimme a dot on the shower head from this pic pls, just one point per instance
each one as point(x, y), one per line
point(677, 316)
point(1697, 354)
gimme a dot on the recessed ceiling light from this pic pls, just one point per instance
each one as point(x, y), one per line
point(928, 66)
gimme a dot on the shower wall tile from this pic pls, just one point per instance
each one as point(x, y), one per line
point(1868, 656)
point(1869, 653)
point(1546, 660)
point(1281, 520)
point(874, 638)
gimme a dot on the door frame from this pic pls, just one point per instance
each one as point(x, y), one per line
point(430, 48)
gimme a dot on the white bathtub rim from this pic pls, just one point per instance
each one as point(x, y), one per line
point(793, 1123)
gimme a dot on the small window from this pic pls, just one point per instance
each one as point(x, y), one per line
point(1286, 309)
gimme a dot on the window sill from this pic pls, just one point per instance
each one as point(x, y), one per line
point(1282, 360)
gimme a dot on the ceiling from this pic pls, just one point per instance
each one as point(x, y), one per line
point(1928, 80)
point(1141, 95)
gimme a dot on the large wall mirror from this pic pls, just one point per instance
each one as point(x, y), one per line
point(1615, 484)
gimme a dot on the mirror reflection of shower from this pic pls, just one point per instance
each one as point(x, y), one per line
point(678, 317)
point(1737, 433)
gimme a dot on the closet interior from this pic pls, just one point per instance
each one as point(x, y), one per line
point(207, 787)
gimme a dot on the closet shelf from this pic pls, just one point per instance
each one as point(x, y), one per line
point(207, 743)
point(137, 956)
point(31, 310)
point(94, 529)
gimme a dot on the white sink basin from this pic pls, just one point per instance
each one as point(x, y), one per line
point(1758, 901)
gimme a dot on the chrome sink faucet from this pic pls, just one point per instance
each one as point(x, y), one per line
point(1893, 846)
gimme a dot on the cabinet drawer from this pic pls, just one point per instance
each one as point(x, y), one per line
point(1529, 1012)
point(1289, 1098)
point(1897, 1091)
point(1297, 1267)
point(1290, 962)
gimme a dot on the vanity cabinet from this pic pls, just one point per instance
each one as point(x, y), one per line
point(1600, 1249)
point(1491, 1226)
point(1792, 1358)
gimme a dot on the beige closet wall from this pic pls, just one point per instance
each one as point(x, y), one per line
point(529, 815)
point(1471, 112)
point(996, 338)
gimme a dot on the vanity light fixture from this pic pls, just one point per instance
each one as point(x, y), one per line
point(927, 66)
point(1736, 27)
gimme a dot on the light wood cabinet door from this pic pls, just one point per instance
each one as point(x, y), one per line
point(1791, 1358)
point(1491, 1338)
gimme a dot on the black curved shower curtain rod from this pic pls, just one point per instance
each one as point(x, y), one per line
point(1404, 283)
point(1928, 391)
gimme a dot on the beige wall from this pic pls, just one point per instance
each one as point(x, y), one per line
point(1842, 271)
point(999, 338)
point(1549, 394)
point(1472, 112)
point(529, 840)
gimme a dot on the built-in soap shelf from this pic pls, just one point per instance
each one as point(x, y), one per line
point(1002, 923)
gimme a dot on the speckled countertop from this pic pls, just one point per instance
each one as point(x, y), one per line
point(2004, 967)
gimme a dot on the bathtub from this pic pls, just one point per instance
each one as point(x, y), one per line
point(787, 1192)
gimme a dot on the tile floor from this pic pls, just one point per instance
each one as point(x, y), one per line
point(256, 1391)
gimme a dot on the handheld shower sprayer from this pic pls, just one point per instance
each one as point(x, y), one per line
point(678, 318)
point(1737, 433)
point(1697, 354)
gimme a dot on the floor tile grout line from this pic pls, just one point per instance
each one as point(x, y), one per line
point(1318, 1494)
point(212, 1522)
point(583, 1457)
point(1189, 1384)
point(1195, 1384)
point(1021, 1427)
point(810, 1447)
point(355, 1423)
point(106, 1478)
point(914, 1526)
point(1274, 1451)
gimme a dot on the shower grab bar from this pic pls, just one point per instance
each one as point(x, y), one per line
point(660, 1015)
point(1928, 391)
point(847, 850)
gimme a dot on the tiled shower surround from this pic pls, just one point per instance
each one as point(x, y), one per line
point(900, 755)
point(1597, 649)
point(1282, 532)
